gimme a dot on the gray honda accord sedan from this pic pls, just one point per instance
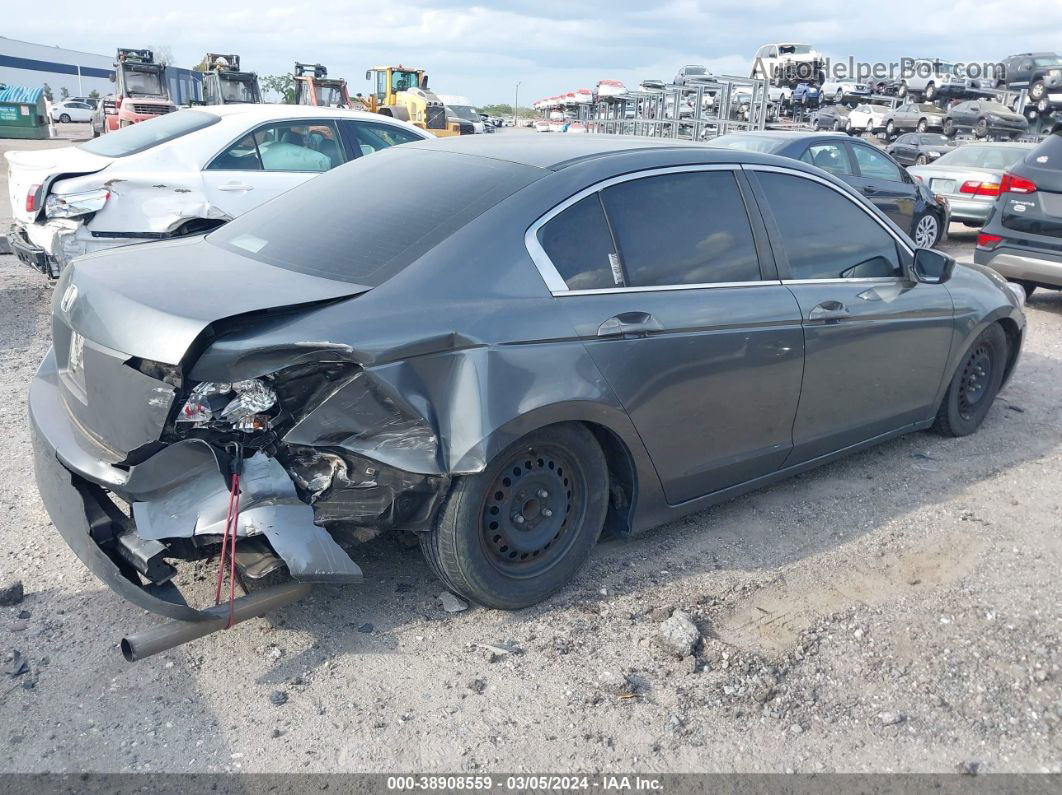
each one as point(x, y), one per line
point(505, 346)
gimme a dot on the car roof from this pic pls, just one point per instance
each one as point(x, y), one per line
point(266, 111)
point(557, 152)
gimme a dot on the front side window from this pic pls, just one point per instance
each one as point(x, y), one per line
point(311, 145)
point(875, 165)
point(829, 157)
point(371, 137)
point(824, 234)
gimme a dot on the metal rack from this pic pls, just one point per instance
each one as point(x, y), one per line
point(696, 111)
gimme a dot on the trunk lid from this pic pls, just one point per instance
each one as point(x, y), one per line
point(152, 301)
point(42, 167)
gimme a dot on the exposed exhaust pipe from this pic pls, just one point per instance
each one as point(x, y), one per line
point(174, 633)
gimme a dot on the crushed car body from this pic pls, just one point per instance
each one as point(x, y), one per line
point(424, 367)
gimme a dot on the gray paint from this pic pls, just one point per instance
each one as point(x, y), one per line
point(467, 350)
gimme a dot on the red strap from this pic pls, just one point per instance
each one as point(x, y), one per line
point(229, 547)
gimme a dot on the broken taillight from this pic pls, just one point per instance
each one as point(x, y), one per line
point(31, 198)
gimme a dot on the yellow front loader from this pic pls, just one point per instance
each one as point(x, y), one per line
point(403, 93)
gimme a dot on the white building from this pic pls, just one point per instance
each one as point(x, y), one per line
point(33, 65)
point(29, 65)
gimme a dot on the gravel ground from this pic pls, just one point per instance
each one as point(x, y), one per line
point(896, 611)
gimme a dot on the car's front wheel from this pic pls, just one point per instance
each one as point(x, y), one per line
point(923, 125)
point(927, 231)
point(64, 118)
point(921, 160)
point(518, 531)
point(1037, 90)
point(974, 385)
point(949, 128)
point(981, 128)
point(890, 130)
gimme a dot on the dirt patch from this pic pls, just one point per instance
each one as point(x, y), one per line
point(770, 621)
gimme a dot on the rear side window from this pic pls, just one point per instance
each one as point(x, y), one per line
point(310, 145)
point(686, 228)
point(147, 134)
point(579, 245)
point(825, 235)
point(368, 137)
point(365, 221)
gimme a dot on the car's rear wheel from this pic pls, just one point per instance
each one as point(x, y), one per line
point(890, 130)
point(931, 92)
point(1037, 90)
point(949, 128)
point(64, 118)
point(510, 536)
point(921, 160)
point(901, 92)
point(981, 128)
point(923, 125)
point(974, 385)
point(927, 231)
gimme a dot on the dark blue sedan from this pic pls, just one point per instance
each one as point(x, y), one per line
point(911, 205)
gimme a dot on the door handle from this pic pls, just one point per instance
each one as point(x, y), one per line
point(629, 324)
point(829, 310)
point(235, 186)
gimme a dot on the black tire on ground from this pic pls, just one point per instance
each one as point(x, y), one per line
point(512, 535)
point(1028, 287)
point(64, 118)
point(974, 385)
point(1037, 90)
point(923, 125)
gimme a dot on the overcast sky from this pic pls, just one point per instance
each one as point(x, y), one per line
point(551, 46)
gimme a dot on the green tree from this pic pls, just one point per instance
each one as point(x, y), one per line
point(47, 92)
point(284, 85)
point(201, 66)
point(163, 54)
point(497, 109)
point(64, 93)
point(94, 94)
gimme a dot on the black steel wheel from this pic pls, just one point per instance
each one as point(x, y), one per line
point(518, 531)
point(974, 384)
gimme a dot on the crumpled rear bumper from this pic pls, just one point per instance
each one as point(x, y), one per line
point(179, 493)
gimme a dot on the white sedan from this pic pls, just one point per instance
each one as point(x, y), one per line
point(179, 174)
point(71, 110)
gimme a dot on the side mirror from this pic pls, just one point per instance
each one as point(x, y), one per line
point(368, 74)
point(932, 267)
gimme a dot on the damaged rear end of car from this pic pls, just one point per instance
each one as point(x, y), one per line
point(186, 424)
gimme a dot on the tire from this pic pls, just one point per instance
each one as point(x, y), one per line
point(471, 546)
point(1028, 287)
point(921, 160)
point(928, 231)
point(837, 125)
point(901, 92)
point(890, 130)
point(930, 92)
point(838, 98)
point(64, 118)
point(949, 128)
point(974, 385)
point(922, 125)
point(980, 129)
point(848, 128)
point(1037, 89)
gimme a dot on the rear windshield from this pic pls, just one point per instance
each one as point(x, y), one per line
point(146, 134)
point(994, 157)
point(367, 220)
point(747, 143)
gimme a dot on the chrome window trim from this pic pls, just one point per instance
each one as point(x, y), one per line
point(815, 178)
point(555, 282)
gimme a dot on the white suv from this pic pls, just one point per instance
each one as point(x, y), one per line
point(788, 64)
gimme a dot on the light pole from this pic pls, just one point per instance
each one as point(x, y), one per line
point(516, 104)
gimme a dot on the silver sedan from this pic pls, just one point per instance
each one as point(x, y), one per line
point(969, 177)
